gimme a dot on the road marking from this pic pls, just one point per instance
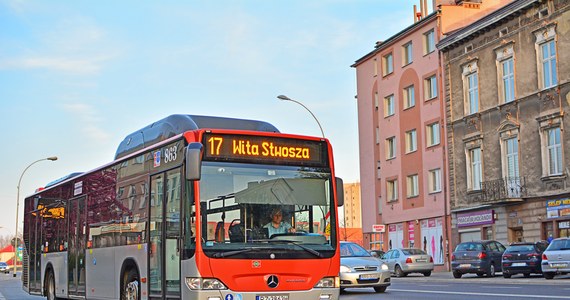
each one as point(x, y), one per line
point(479, 294)
point(435, 285)
point(2, 297)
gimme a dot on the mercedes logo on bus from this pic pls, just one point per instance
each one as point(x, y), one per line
point(272, 281)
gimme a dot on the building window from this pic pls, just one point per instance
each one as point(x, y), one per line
point(388, 64)
point(548, 63)
point(378, 170)
point(412, 186)
point(407, 57)
point(511, 147)
point(389, 108)
point(508, 71)
point(409, 97)
point(430, 85)
point(376, 101)
point(411, 143)
point(391, 147)
point(375, 67)
point(473, 93)
point(429, 42)
point(554, 151)
point(392, 190)
point(434, 181)
point(474, 172)
point(432, 131)
point(377, 135)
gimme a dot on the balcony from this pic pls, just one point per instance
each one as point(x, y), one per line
point(503, 190)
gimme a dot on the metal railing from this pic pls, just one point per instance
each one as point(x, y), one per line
point(504, 189)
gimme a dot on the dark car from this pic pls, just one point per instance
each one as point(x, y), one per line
point(478, 257)
point(523, 258)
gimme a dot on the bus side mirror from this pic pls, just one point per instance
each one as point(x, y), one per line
point(193, 158)
point(339, 192)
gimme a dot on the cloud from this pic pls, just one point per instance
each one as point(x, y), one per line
point(89, 120)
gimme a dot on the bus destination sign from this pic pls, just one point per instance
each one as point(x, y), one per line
point(231, 147)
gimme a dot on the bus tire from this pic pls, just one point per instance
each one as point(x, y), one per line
point(130, 285)
point(50, 286)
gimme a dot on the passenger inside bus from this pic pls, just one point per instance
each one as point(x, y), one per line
point(277, 225)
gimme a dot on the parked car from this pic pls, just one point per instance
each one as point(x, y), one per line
point(4, 267)
point(556, 258)
point(403, 261)
point(358, 268)
point(479, 257)
point(523, 258)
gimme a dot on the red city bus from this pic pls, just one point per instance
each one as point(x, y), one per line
point(192, 207)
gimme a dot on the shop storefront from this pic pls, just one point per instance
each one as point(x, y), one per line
point(558, 219)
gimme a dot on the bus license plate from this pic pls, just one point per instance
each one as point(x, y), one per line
point(272, 297)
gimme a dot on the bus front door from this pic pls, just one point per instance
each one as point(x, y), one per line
point(164, 254)
point(76, 250)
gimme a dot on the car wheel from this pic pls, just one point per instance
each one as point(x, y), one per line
point(380, 289)
point(399, 272)
point(548, 275)
point(480, 274)
point(457, 274)
point(427, 274)
point(526, 275)
point(342, 290)
point(491, 271)
point(506, 275)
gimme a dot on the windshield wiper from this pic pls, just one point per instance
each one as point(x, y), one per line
point(312, 251)
point(232, 253)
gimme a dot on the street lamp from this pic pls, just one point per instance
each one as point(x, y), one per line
point(52, 158)
point(285, 98)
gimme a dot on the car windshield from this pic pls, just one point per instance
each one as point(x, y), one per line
point(521, 248)
point(352, 250)
point(413, 252)
point(469, 247)
point(559, 245)
point(3, 264)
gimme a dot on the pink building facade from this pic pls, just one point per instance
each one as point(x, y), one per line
point(402, 145)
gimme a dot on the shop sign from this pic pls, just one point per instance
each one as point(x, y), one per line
point(378, 228)
point(564, 225)
point(557, 208)
point(484, 217)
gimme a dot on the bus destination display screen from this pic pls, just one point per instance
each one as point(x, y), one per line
point(262, 149)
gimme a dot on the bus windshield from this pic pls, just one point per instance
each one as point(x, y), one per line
point(254, 211)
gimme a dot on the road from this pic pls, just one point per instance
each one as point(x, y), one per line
point(439, 286)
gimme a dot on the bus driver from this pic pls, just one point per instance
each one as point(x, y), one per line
point(277, 225)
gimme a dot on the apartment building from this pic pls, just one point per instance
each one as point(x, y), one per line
point(507, 96)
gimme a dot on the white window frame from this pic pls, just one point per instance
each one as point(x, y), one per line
point(412, 186)
point(434, 181)
point(387, 64)
point(429, 42)
point(433, 134)
point(474, 168)
point(407, 54)
point(411, 141)
point(553, 151)
point(546, 62)
point(506, 73)
point(511, 157)
point(389, 106)
point(392, 190)
point(409, 97)
point(430, 87)
point(391, 147)
point(471, 87)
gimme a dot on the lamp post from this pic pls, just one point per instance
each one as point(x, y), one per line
point(52, 158)
point(285, 98)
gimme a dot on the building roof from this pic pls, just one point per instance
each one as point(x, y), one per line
point(383, 45)
point(496, 16)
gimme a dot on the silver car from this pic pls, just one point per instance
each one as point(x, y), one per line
point(358, 268)
point(556, 258)
point(403, 261)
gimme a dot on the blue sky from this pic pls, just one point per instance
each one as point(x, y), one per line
point(77, 76)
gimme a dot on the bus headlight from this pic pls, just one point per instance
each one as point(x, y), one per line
point(328, 282)
point(198, 283)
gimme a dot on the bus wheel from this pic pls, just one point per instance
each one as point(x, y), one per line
point(130, 286)
point(50, 286)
